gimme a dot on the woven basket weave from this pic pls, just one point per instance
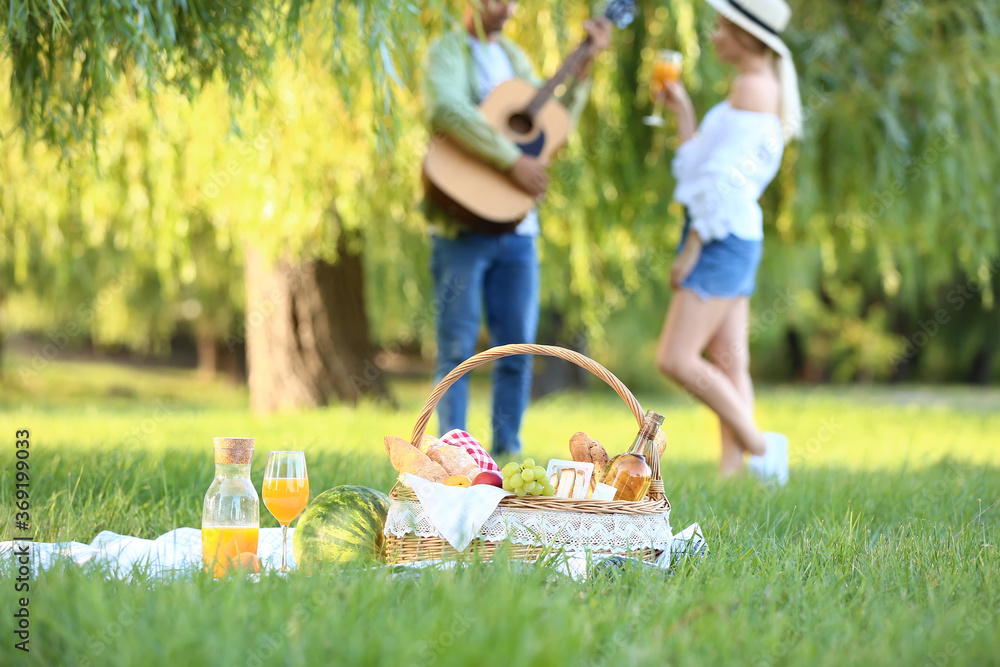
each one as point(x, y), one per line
point(412, 547)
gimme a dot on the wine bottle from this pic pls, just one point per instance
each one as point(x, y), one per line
point(629, 472)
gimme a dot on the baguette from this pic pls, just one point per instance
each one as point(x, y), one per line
point(599, 456)
point(407, 458)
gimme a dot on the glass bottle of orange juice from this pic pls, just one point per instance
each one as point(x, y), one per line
point(230, 518)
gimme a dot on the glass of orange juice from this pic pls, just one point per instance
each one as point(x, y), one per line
point(666, 68)
point(286, 492)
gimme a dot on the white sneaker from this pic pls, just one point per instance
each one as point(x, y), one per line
point(774, 462)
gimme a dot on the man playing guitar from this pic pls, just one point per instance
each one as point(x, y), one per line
point(471, 270)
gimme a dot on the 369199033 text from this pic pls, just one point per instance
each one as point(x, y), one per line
point(22, 539)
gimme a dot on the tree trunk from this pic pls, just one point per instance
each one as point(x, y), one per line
point(208, 357)
point(796, 353)
point(982, 364)
point(307, 333)
point(232, 363)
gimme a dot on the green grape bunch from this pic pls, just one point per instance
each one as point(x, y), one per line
point(526, 479)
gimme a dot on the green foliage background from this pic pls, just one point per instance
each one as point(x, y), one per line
point(878, 225)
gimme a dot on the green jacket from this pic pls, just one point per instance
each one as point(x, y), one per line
point(452, 93)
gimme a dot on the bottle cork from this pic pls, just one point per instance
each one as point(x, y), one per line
point(233, 450)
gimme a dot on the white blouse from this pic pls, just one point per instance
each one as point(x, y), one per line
point(724, 169)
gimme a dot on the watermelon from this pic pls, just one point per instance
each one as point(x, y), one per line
point(341, 528)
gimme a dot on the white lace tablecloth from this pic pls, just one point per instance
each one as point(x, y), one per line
point(176, 552)
point(570, 531)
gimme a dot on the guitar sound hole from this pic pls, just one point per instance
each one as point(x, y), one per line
point(520, 123)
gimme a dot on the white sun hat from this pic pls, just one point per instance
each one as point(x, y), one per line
point(765, 20)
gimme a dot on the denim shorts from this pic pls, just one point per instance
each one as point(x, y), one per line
point(727, 267)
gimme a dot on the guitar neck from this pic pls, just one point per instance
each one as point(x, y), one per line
point(570, 65)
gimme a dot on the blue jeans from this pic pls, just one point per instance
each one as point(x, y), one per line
point(471, 273)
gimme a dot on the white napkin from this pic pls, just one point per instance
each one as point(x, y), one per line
point(689, 543)
point(457, 512)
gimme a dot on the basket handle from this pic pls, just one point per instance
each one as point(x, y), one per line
point(509, 351)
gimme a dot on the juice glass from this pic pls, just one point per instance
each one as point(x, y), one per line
point(666, 68)
point(286, 492)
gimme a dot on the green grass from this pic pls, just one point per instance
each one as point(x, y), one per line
point(862, 559)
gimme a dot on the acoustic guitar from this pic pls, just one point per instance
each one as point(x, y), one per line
point(474, 192)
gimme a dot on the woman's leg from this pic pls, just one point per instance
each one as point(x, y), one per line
point(729, 351)
point(690, 324)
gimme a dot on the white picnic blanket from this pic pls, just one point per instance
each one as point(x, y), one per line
point(170, 554)
point(178, 552)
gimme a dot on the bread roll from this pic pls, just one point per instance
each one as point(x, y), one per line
point(579, 447)
point(455, 460)
point(428, 442)
point(407, 458)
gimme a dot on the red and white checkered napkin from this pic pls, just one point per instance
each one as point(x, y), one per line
point(459, 438)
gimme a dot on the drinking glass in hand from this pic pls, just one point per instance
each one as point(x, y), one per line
point(666, 68)
point(286, 492)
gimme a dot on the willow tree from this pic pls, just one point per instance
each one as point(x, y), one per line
point(306, 323)
point(307, 191)
point(113, 247)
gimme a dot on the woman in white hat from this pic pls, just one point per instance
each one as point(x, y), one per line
point(722, 169)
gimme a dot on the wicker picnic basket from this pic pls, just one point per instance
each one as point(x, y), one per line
point(530, 525)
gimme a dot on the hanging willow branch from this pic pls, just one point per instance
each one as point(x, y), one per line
point(68, 56)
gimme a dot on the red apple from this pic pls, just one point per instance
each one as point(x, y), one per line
point(491, 478)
